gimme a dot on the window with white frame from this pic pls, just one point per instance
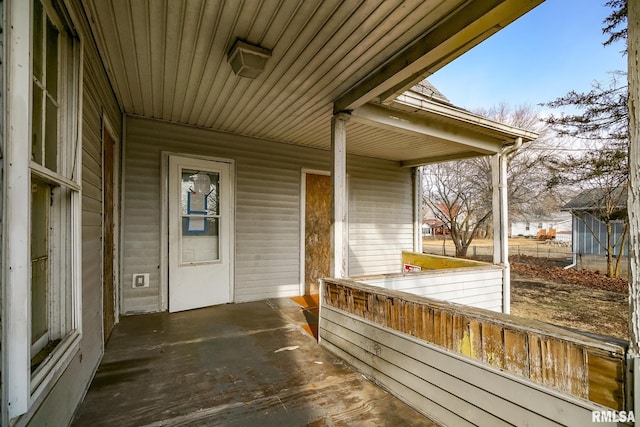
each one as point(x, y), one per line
point(55, 191)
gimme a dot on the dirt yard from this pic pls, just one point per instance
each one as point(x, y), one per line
point(518, 246)
point(583, 300)
point(542, 289)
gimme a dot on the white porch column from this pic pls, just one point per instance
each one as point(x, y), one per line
point(417, 209)
point(339, 237)
point(501, 224)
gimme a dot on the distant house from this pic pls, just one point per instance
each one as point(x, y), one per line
point(433, 227)
point(532, 226)
point(590, 231)
point(433, 224)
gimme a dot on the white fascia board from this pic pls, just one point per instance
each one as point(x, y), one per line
point(507, 132)
point(405, 122)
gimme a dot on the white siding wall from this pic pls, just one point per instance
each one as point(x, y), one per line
point(380, 218)
point(58, 407)
point(267, 229)
point(520, 229)
point(477, 287)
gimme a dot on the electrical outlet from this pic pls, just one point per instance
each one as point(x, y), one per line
point(140, 280)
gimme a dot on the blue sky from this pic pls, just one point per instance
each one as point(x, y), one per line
point(555, 48)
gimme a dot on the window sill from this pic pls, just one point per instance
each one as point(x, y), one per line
point(51, 369)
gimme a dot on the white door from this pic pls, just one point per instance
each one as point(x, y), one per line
point(199, 233)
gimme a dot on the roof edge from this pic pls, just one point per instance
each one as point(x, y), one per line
point(419, 101)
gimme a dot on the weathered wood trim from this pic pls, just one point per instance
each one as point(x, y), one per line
point(451, 388)
point(108, 129)
point(550, 356)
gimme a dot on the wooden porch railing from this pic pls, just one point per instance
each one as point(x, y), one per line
point(579, 365)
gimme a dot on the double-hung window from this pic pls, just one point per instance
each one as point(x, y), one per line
point(55, 193)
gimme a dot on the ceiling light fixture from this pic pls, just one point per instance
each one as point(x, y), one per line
point(247, 60)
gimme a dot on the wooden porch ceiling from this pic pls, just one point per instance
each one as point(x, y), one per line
point(168, 60)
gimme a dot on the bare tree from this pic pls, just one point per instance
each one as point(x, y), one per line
point(527, 174)
point(457, 198)
point(602, 121)
point(459, 193)
point(600, 173)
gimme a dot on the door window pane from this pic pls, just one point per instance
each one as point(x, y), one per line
point(200, 246)
point(200, 212)
point(200, 192)
point(200, 226)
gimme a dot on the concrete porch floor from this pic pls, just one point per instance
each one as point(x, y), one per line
point(247, 364)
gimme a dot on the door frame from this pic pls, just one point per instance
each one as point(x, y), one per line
point(117, 212)
point(303, 204)
point(164, 223)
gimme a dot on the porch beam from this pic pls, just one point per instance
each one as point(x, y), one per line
point(339, 239)
point(405, 122)
point(411, 102)
point(438, 159)
point(465, 27)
